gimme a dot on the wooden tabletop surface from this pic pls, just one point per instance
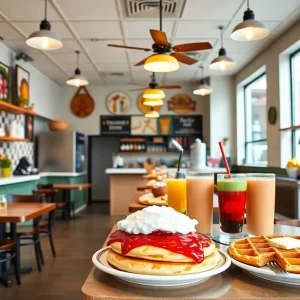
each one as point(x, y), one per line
point(234, 283)
point(22, 212)
point(71, 186)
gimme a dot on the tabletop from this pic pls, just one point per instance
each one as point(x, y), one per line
point(71, 186)
point(234, 283)
point(22, 212)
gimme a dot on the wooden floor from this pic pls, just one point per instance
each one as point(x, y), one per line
point(63, 276)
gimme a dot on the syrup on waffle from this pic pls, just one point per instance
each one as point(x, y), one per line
point(256, 251)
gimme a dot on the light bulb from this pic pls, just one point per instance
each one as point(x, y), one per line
point(77, 82)
point(222, 65)
point(202, 92)
point(45, 42)
point(249, 32)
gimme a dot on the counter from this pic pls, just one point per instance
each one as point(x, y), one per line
point(124, 182)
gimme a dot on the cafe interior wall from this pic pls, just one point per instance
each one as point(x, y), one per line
point(278, 95)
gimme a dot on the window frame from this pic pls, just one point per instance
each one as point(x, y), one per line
point(245, 117)
point(294, 142)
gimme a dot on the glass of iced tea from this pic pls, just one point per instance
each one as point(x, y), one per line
point(232, 194)
point(3, 202)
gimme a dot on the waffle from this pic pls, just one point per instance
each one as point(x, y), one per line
point(256, 251)
point(149, 199)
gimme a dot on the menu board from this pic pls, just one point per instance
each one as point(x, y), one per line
point(165, 125)
point(115, 125)
point(187, 124)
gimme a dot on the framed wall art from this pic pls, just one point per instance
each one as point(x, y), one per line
point(4, 82)
point(118, 103)
point(22, 86)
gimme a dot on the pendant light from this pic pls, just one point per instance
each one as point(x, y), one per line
point(77, 79)
point(44, 39)
point(161, 63)
point(153, 102)
point(249, 29)
point(203, 89)
point(222, 62)
point(154, 94)
point(152, 114)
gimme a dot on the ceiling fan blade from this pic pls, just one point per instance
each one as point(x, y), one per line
point(192, 47)
point(169, 87)
point(140, 89)
point(159, 37)
point(129, 47)
point(142, 62)
point(184, 58)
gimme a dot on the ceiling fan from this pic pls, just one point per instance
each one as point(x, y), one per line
point(166, 56)
point(155, 85)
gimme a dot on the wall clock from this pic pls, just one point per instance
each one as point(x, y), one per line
point(118, 103)
point(82, 103)
point(272, 115)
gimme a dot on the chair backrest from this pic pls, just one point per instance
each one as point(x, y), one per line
point(46, 193)
point(46, 186)
point(24, 198)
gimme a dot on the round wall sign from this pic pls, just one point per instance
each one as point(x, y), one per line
point(82, 104)
point(272, 115)
point(118, 103)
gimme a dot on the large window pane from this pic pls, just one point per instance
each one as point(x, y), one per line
point(255, 121)
point(295, 80)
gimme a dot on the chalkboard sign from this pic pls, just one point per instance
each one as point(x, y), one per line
point(187, 125)
point(115, 125)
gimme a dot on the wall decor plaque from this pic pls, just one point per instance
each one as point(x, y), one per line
point(82, 103)
point(4, 82)
point(143, 126)
point(22, 86)
point(118, 103)
point(181, 104)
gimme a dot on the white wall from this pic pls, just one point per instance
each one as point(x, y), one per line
point(91, 124)
point(44, 92)
point(270, 59)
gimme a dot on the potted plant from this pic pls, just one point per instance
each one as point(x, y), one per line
point(5, 164)
point(22, 102)
point(31, 107)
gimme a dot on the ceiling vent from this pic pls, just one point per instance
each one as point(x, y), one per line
point(115, 74)
point(150, 8)
point(195, 55)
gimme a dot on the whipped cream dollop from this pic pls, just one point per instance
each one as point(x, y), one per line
point(159, 184)
point(154, 218)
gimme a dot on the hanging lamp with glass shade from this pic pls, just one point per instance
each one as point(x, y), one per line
point(203, 89)
point(249, 29)
point(77, 79)
point(152, 114)
point(44, 39)
point(154, 94)
point(222, 62)
point(161, 63)
point(153, 102)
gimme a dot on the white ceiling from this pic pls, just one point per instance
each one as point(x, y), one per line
point(77, 22)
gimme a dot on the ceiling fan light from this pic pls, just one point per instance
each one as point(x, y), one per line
point(154, 94)
point(152, 114)
point(249, 30)
point(161, 63)
point(203, 89)
point(153, 102)
point(222, 63)
point(44, 40)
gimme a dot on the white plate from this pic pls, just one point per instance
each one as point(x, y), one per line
point(269, 274)
point(100, 261)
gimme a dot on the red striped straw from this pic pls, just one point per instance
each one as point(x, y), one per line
point(224, 159)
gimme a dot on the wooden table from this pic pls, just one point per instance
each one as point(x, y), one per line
point(16, 213)
point(135, 205)
point(234, 283)
point(66, 188)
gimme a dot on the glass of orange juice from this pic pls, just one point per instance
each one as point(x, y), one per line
point(176, 191)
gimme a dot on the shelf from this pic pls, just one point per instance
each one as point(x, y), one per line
point(290, 128)
point(12, 139)
point(14, 109)
point(150, 153)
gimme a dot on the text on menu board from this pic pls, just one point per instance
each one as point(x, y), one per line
point(115, 125)
point(187, 124)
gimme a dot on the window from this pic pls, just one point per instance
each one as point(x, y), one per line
point(295, 92)
point(255, 121)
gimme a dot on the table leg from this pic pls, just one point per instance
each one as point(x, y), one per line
point(3, 274)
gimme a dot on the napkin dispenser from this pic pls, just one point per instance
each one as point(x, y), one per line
point(198, 155)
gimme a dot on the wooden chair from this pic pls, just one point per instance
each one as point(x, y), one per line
point(64, 206)
point(34, 234)
point(46, 225)
point(289, 222)
point(12, 248)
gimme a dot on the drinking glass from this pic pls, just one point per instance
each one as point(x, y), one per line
point(260, 205)
point(232, 193)
point(176, 191)
point(200, 193)
point(3, 202)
